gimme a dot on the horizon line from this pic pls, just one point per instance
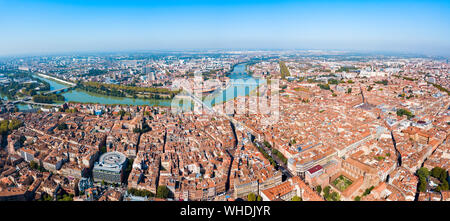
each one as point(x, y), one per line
point(203, 50)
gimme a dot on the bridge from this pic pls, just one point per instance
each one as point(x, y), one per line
point(57, 90)
point(27, 100)
point(41, 104)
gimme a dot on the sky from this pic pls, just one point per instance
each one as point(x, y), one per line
point(51, 26)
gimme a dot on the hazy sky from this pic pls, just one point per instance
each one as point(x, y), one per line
point(51, 26)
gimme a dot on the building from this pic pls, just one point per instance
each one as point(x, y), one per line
point(109, 168)
point(13, 194)
point(313, 172)
point(28, 154)
point(287, 190)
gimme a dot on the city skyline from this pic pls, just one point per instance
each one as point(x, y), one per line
point(43, 27)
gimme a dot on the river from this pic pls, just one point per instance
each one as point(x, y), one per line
point(241, 84)
point(82, 96)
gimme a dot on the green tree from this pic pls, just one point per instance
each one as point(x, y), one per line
point(326, 191)
point(357, 198)
point(284, 70)
point(296, 198)
point(47, 99)
point(401, 112)
point(6, 126)
point(33, 165)
point(333, 81)
point(335, 196)
point(368, 190)
point(422, 184)
point(62, 126)
point(47, 197)
point(436, 172)
point(65, 197)
point(162, 192)
point(251, 197)
point(103, 149)
point(324, 86)
point(383, 82)
point(423, 172)
point(143, 193)
point(443, 186)
point(319, 189)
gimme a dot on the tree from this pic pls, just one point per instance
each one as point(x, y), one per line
point(335, 196)
point(267, 144)
point(48, 99)
point(422, 184)
point(65, 197)
point(326, 191)
point(401, 112)
point(423, 172)
point(259, 198)
point(142, 193)
point(103, 149)
point(34, 165)
point(443, 176)
point(439, 173)
point(47, 198)
point(436, 172)
point(383, 82)
point(284, 70)
point(368, 190)
point(251, 197)
point(357, 198)
point(6, 126)
point(443, 186)
point(296, 198)
point(324, 86)
point(319, 189)
point(162, 192)
point(62, 126)
point(333, 81)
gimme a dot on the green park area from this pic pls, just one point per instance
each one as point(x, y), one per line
point(342, 183)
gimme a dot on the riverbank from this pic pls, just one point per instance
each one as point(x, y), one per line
point(56, 79)
point(234, 88)
point(80, 96)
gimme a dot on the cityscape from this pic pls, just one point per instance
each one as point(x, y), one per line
point(225, 124)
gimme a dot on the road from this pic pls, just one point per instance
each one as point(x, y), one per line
point(281, 165)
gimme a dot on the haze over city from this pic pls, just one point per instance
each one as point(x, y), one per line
point(48, 26)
